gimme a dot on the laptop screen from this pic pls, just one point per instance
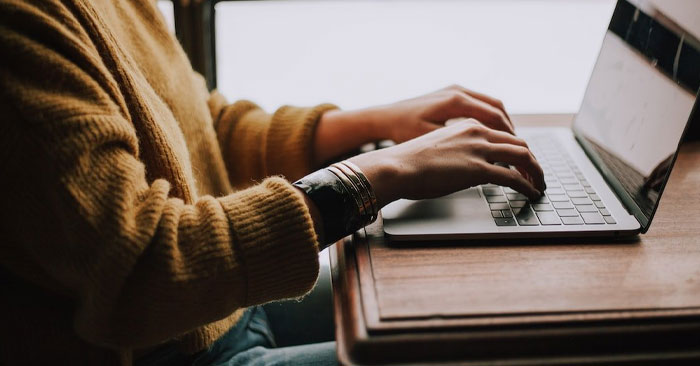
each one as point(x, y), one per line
point(640, 97)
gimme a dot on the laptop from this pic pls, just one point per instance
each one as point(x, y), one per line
point(606, 174)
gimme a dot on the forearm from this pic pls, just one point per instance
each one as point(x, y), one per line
point(256, 144)
point(339, 132)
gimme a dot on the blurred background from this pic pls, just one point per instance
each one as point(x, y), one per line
point(535, 55)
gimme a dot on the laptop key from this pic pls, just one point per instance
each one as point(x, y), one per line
point(604, 212)
point(573, 187)
point(577, 194)
point(496, 199)
point(526, 217)
point(590, 190)
point(496, 214)
point(558, 197)
point(492, 191)
point(548, 218)
point(562, 205)
point(542, 207)
point(566, 174)
point(506, 213)
point(595, 197)
point(518, 204)
point(554, 191)
point(505, 221)
point(592, 218)
point(586, 208)
point(567, 213)
point(574, 220)
point(542, 199)
point(516, 196)
point(581, 201)
point(599, 204)
point(499, 206)
point(609, 220)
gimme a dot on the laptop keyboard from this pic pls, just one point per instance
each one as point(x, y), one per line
point(568, 200)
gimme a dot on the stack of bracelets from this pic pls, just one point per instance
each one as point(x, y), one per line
point(344, 198)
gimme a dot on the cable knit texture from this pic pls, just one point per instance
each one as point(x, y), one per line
point(121, 227)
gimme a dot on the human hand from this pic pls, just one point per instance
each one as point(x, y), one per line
point(414, 117)
point(341, 131)
point(449, 159)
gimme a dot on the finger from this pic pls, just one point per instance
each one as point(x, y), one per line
point(471, 121)
point(484, 98)
point(511, 178)
point(520, 157)
point(486, 114)
point(525, 174)
point(500, 137)
point(506, 138)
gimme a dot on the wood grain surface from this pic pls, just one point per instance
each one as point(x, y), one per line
point(393, 300)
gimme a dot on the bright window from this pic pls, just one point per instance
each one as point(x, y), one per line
point(535, 55)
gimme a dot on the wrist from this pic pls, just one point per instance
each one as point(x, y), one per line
point(384, 174)
point(339, 132)
point(377, 121)
point(340, 200)
point(371, 123)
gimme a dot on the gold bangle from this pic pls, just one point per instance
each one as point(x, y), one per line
point(370, 191)
point(354, 192)
point(364, 195)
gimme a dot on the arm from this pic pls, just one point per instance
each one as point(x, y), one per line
point(340, 132)
point(484, 136)
point(431, 161)
point(446, 160)
point(141, 261)
point(256, 144)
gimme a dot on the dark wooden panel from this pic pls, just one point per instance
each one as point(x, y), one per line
point(535, 302)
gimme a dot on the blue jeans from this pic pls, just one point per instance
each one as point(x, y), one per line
point(252, 342)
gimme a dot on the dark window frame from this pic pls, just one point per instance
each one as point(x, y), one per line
point(194, 28)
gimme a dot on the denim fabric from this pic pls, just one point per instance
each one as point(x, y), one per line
point(249, 343)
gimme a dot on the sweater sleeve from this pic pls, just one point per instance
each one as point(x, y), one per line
point(256, 144)
point(141, 265)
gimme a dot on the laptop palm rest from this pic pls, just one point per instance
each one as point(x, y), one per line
point(452, 213)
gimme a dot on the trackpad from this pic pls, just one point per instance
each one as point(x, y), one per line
point(453, 212)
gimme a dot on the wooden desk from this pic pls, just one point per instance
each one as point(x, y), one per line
point(530, 302)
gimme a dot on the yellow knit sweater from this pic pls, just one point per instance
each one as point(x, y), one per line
point(120, 227)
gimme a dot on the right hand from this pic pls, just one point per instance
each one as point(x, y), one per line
point(456, 157)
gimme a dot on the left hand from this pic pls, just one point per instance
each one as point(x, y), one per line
point(341, 131)
point(414, 117)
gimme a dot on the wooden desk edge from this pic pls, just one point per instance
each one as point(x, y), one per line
point(359, 331)
point(358, 346)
